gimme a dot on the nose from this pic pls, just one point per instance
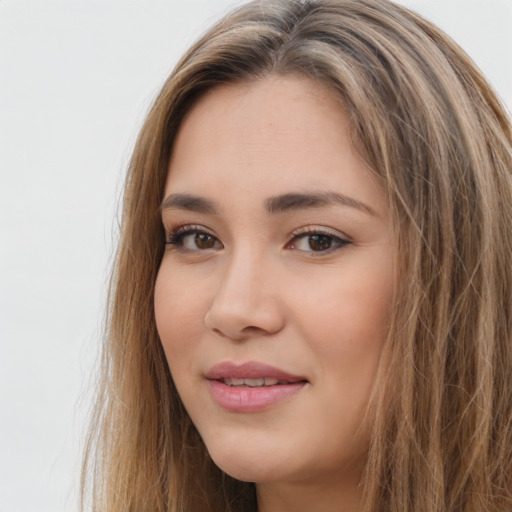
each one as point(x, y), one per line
point(246, 303)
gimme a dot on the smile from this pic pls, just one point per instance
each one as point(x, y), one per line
point(253, 383)
point(251, 386)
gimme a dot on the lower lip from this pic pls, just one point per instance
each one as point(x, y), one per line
point(236, 399)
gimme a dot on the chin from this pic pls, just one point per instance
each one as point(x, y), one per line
point(249, 473)
point(249, 462)
point(265, 457)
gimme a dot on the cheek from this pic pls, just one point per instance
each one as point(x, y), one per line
point(346, 325)
point(179, 314)
point(347, 341)
point(350, 310)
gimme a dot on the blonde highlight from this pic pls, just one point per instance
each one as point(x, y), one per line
point(434, 133)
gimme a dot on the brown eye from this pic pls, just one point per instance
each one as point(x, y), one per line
point(193, 239)
point(204, 241)
point(317, 242)
point(320, 242)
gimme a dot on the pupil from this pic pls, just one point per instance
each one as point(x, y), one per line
point(319, 242)
point(204, 241)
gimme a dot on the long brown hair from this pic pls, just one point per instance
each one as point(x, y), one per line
point(435, 134)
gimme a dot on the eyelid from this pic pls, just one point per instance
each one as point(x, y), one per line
point(340, 239)
point(322, 230)
point(180, 229)
point(176, 234)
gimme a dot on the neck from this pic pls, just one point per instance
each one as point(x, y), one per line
point(324, 496)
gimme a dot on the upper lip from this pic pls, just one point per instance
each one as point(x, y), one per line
point(250, 370)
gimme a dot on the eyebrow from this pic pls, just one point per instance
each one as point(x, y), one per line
point(188, 202)
point(297, 201)
point(274, 205)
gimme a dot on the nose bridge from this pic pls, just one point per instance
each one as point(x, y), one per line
point(244, 302)
point(243, 265)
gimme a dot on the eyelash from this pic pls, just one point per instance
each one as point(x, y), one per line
point(337, 242)
point(179, 233)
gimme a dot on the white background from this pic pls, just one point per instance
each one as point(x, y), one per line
point(76, 78)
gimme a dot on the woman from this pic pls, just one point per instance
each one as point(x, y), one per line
point(311, 307)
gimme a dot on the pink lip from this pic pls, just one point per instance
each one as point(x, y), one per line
point(249, 370)
point(245, 399)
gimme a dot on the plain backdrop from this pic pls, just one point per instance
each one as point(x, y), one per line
point(76, 79)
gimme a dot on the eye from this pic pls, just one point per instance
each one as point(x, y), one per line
point(314, 240)
point(193, 238)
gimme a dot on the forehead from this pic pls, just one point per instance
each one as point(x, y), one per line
point(265, 137)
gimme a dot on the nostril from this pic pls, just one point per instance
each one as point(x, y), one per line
point(246, 332)
point(237, 320)
point(251, 329)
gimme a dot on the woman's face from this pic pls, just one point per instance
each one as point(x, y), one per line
point(273, 294)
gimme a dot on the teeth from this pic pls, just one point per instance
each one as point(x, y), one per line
point(252, 383)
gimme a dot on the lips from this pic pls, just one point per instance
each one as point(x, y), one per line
point(251, 386)
point(250, 370)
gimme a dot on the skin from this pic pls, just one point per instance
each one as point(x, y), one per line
point(258, 286)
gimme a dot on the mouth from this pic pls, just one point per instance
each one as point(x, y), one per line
point(251, 374)
point(251, 386)
point(234, 382)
